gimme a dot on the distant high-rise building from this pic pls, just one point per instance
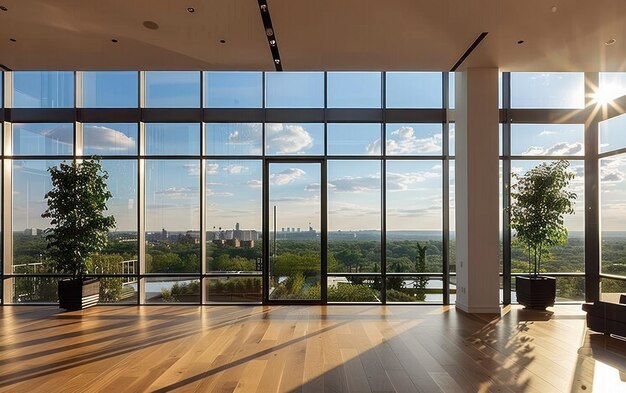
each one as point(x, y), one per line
point(237, 226)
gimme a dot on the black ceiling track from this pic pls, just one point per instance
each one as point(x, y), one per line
point(469, 51)
point(5, 67)
point(270, 33)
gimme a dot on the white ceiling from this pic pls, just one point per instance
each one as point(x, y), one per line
point(314, 35)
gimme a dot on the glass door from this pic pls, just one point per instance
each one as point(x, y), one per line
point(294, 224)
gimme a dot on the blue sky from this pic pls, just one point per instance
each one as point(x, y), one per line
point(233, 187)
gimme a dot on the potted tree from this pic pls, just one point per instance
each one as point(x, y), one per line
point(79, 228)
point(539, 200)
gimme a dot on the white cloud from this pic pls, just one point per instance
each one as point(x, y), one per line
point(288, 139)
point(255, 183)
point(192, 169)
point(105, 138)
point(402, 181)
point(355, 184)
point(234, 169)
point(559, 149)
point(177, 192)
point(313, 187)
point(546, 133)
point(404, 141)
point(211, 169)
point(250, 136)
point(287, 176)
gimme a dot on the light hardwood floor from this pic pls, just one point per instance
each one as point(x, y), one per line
point(304, 349)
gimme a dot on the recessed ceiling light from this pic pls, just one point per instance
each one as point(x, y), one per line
point(520, 42)
point(269, 32)
point(610, 42)
point(553, 9)
point(191, 10)
point(3, 8)
point(222, 41)
point(148, 24)
point(12, 40)
point(114, 40)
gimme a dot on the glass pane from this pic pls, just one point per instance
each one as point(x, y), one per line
point(612, 289)
point(452, 217)
point(105, 139)
point(419, 289)
point(354, 216)
point(415, 90)
point(354, 89)
point(612, 86)
point(350, 289)
point(172, 290)
point(568, 257)
point(172, 89)
point(613, 214)
point(414, 139)
point(31, 182)
point(295, 222)
point(118, 290)
point(39, 139)
point(547, 139)
point(294, 139)
point(120, 254)
point(354, 139)
point(452, 141)
point(451, 90)
point(613, 134)
point(172, 216)
point(570, 289)
point(294, 89)
point(234, 139)
point(234, 289)
point(414, 216)
point(547, 90)
point(110, 89)
point(233, 89)
point(172, 138)
point(35, 289)
point(43, 89)
point(234, 216)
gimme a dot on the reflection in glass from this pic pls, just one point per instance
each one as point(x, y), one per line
point(611, 289)
point(294, 139)
point(172, 216)
point(234, 289)
point(354, 89)
point(233, 89)
point(415, 89)
point(354, 216)
point(354, 139)
point(414, 231)
point(172, 89)
point(612, 133)
point(295, 222)
point(110, 89)
point(40, 139)
point(354, 289)
point(414, 139)
point(417, 289)
point(233, 215)
point(31, 182)
point(223, 139)
point(294, 89)
point(34, 290)
point(172, 138)
point(43, 89)
point(612, 86)
point(172, 290)
point(104, 139)
point(547, 139)
point(613, 214)
point(547, 90)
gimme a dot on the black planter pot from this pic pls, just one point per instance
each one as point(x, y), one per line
point(77, 294)
point(535, 292)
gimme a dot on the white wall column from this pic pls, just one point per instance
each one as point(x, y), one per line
point(476, 190)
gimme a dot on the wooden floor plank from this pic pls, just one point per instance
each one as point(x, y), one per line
point(306, 349)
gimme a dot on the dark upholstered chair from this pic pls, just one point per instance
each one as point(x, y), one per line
point(606, 317)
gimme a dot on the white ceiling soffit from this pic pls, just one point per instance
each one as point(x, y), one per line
point(314, 35)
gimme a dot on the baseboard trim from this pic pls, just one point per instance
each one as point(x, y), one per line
point(478, 310)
